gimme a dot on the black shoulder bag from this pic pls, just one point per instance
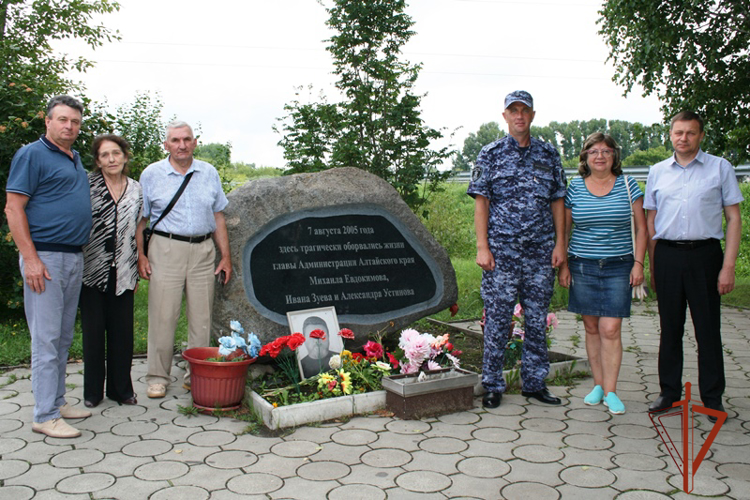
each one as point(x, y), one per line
point(148, 231)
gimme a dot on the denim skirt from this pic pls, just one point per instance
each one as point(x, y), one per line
point(600, 287)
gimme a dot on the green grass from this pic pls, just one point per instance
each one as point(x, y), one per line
point(15, 340)
point(740, 296)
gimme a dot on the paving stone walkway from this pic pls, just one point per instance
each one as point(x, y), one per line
point(522, 449)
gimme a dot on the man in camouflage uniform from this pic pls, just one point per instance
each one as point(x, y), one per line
point(518, 185)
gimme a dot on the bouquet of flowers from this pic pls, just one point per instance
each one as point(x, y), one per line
point(514, 347)
point(423, 351)
point(365, 370)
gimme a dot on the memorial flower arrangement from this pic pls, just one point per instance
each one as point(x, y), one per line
point(423, 351)
point(356, 372)
point(350, 373)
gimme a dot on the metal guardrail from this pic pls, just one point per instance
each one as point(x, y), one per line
point(639, 173)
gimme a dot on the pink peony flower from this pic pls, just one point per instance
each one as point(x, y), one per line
point(518, 311)
point(552, 321)
point(418, 350)
point(406, 337)
point(407, 368)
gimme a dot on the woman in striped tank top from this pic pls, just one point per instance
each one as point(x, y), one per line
point(601, 267)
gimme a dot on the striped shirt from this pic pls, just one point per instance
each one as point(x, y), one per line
point(601, 224)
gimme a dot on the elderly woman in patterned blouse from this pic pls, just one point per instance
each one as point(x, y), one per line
point(110, 275)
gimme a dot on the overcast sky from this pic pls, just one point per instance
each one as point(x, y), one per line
point(229, 66)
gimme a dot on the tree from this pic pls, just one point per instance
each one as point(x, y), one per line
point(377, 125)
point(487, 133)
point(214, 153)
point(692, 55)
point(141, 123)
point(30, 73)
point(648, 157)
point(569, 137)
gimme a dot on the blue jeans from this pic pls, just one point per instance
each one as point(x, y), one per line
point(51, 317)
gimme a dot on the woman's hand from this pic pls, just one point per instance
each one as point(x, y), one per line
point(563, 276)
point(636, 275)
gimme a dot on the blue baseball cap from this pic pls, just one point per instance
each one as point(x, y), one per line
point(519, 96)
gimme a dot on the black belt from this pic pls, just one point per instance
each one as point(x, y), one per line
point(189, 239)
point(688, 244)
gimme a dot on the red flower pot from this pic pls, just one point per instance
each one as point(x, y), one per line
point(216, 385)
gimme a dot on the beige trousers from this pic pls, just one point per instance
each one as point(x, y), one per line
point(177, 267)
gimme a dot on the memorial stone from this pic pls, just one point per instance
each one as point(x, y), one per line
point(341, 238)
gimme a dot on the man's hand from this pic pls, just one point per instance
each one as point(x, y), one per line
point(726, 281)
point(485, 260)
point(144, 267)
point(558, 255)
point(36, 272)
point(563, 276)
point(225, 265)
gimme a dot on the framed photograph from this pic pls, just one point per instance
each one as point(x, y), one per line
point(314, 354)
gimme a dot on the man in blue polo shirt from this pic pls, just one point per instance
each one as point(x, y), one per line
point(49, 215)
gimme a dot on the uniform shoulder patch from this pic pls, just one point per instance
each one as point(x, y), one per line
point(476, 173)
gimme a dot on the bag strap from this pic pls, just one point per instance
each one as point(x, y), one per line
point(632, 222)
point(174, 199)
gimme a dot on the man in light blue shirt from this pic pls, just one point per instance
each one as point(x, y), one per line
point(181, 252)
point(685, 198)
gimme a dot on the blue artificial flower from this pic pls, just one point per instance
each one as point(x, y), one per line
point(254, 345)
point(236, 327)
point(239, 342)
point(227, 345)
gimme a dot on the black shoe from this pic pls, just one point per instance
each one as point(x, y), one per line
point(713, 419)
point(90, 404)
point(662, 403)
point(492, 399)
point(129, 401)
point(543, 395)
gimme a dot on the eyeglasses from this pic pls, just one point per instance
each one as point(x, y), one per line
point(605, 153)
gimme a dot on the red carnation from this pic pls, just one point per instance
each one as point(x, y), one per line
point(272, 348)
point(454, 309)
point(318, 334)
point(346, 333)
point(448, 346)
point(295, 340)
point(357, 357)
point(393, 360)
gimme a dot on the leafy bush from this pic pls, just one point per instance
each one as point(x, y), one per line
point(450, 220)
